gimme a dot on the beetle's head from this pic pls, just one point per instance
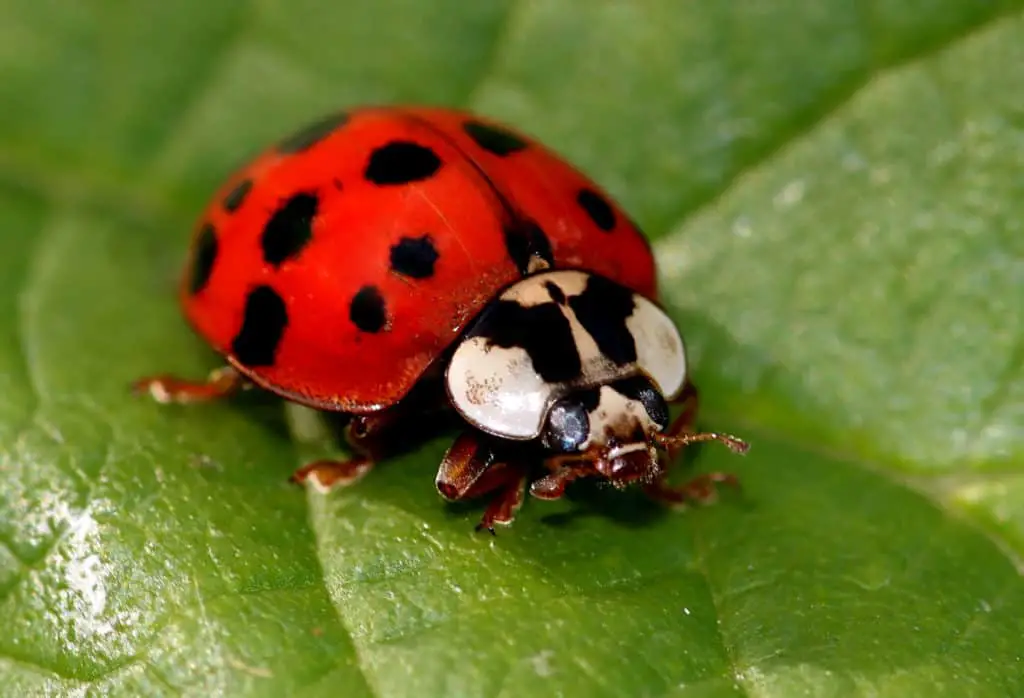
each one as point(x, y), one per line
point(615, 431)
point(609, 429)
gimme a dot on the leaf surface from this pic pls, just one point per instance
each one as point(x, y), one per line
point(835, 197)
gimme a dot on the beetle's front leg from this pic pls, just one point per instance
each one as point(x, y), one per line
point(471, 468)
point(563, 470)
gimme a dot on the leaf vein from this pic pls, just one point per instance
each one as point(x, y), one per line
point(807, 120)
point(112, 669)
point(371, 688)
point(728, 652)
point(1005, 380)
point(35, 281)
point(493, 57)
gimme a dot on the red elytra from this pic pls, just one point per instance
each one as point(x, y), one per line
point(308, 233)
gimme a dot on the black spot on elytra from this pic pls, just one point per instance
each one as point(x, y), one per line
point(312, 133)
point(263, 323)
point(555, 291)
point(494, 139)
point(414, 257)
point(524, 241)
point(367, 310)
point(290, 229)
point(602, 309)
point(401, 162)
point(641, 390)
point(204, 254)
point(542, 331)
point(236, 197)
point(598, 208)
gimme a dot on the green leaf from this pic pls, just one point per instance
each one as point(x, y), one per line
point(834, 189)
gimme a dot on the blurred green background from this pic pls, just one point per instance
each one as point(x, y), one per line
point(834, 189)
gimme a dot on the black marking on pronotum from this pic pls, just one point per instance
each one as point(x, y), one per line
point(494, 139)
point(602, 309)
point(312, 134)
point(542, 331)
point(289, 229)
point(367, 310)
point(414, 257)
point(641, 390)
point(263, 323)
point(525, 242)
point(555, 291)
point(204, 255)
point(589, 398)
point(597, 208)
point(236, 197)
point(401, 162)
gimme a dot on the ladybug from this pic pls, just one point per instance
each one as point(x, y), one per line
point(390, 262)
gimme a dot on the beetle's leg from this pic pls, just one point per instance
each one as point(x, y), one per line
point(700, 489)
point(508, 482)
point(471, 469)
point(327, 475)
point(466, 461)
point(363, 433)
point(564, 469)
point(165, 389)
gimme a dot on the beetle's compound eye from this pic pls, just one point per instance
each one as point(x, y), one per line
point(642, 390)
point(567, 427)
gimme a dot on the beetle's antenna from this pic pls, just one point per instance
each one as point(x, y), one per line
point(733, 443)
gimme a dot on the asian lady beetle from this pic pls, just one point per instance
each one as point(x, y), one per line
point(386, 249)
